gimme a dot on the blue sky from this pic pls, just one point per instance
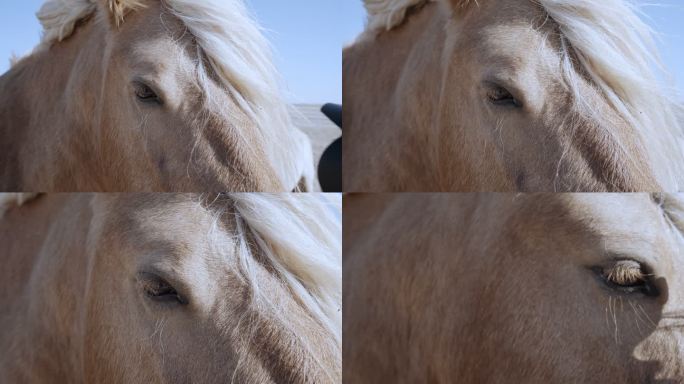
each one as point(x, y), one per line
point(308, 36)
point(667, 18)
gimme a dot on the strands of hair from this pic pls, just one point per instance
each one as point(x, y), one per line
point(59, 19)
point(300, 239)
point(387, 14)
point(120, 7)
point(235, 50)
point(238, 53)
point(307, 255)
point(625, 273)
point(617, 50)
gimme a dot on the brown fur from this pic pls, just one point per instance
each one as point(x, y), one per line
point(70, 121)
point(73, 310)
point(417, 119)
point(503, 288)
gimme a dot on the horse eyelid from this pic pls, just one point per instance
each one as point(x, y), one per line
point(647, 286)
point(148, 279)
point(492, 86)
point(139, 82)
point(646, 263)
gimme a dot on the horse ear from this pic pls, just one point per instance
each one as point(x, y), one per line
point(119, 8)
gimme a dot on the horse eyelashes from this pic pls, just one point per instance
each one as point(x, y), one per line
point(502, 97)
point(628, 276)
point(625, 274)
point(145, 93)
point(159, 289)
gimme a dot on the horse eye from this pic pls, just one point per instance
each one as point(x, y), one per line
point(628, 276)
point(160, 290)
point(500, 96)
point(145, 93)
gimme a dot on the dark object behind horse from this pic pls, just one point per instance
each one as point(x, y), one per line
point(330, 166)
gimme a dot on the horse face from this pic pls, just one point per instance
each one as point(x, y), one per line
point(595, 290)
point(168, 301)
point(482, 288)
point(173, 124)
point(530, 110)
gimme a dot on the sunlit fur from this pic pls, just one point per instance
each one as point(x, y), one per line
point(616, 49)
point(386, 14)
point(512, 288)
point(308, 255)
point(624, 273)
point(235, 50)
point(263, 270)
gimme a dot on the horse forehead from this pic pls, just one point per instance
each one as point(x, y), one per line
point(153, 20)
point(618, 216)
point(155, 55)
point(155, 39)
point(515, 52)
point(178, 235)
point(508, 20)
point(159, 56)
point(176, 222)
point(171, 216)
point(511, 42)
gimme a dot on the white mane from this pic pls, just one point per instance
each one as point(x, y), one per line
point(302, 239)
point(235, 49)
point(387, 14)
point(617, 50)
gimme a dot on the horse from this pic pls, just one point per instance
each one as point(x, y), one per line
point(513, 288)
point(170, 288)
point(508, 95)
point(149, 95)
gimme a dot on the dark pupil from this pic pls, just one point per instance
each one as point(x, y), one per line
point(161, 288)
point(144, 92)
point(500, 94)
